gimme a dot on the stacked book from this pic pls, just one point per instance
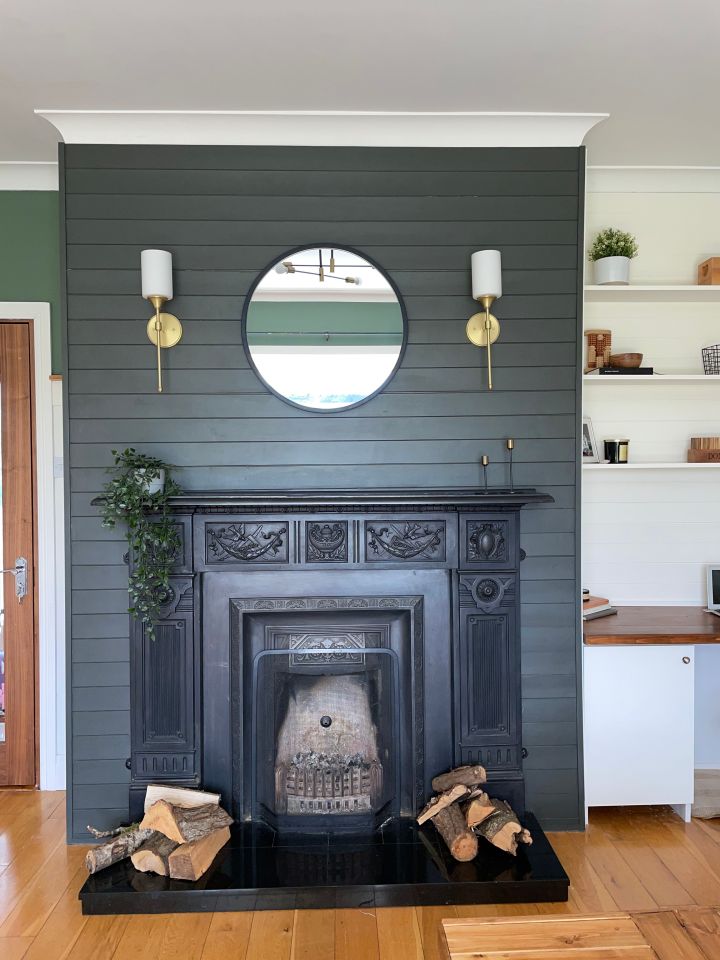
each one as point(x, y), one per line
point(623, 371)
point(595, 607)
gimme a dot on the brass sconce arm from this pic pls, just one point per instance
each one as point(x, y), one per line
point(165, 331)
point(482, 330)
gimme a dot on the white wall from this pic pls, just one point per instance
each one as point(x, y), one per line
point(648, 535)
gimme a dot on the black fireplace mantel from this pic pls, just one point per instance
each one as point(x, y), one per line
point(372, 499)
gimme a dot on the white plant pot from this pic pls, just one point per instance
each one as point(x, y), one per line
point(612, 270)
point(155, 485)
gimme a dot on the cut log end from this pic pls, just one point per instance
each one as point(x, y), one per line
point(189, 861)
point(152, 856)
point(462, 842)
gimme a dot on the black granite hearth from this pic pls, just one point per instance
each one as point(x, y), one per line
point(399, 865)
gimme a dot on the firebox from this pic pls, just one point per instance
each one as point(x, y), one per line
point(330, 716)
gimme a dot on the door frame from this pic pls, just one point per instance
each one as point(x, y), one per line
point(50, 546)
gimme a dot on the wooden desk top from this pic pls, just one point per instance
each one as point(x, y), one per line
point(653, 625)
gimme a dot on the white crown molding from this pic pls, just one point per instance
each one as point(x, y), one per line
point(323, 128)
point(652, 179)
point(20, 175)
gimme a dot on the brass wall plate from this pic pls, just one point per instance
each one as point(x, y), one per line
point(171, 332)
point(476, 332)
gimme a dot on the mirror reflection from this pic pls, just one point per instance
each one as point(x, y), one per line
point(324, 328)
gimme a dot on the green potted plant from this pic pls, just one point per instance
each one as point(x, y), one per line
point(611, 252)
point(138, 495)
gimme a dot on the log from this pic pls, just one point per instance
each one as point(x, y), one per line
point(179, 796)
point(185, 824)
point(118, 848)
point(469, 776)
point(478, 809)
point(189, 861)
point(502, 828)
point(462, 842)
point(152, 856)
point(440, 803)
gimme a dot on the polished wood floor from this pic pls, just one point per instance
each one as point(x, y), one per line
point(643, 861)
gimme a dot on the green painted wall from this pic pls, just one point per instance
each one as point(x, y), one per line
point(277, 323)
point(29, 253)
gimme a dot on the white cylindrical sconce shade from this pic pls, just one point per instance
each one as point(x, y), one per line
point(486, 274)
point(156, 270)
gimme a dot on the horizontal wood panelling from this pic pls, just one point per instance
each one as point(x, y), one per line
point(542, 306)
point(229, 332)
point(324, 183)
point(100, 771)
point(101, 698)
point(99, 206)
point(232, 283)
point(290, 453)
point(218, 358)
point(226, 213)
point(346, 475)
point(225, 430)
point(236, 382)
point(119, 406)
point(405, 233)
point(201, 158)
point(431, 256)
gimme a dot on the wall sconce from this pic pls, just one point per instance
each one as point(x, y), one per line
point(483, 329)
point(164, 330)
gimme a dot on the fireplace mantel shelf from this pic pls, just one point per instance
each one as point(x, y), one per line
point(459, 497)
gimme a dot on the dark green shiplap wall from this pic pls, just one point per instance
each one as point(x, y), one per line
point(226, 213)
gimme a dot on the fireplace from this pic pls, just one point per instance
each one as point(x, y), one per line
point(319, 659)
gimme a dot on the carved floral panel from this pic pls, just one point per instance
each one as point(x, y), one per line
point(246, 542)
point(417, 540)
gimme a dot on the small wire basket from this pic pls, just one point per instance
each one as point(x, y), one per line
point(711, 359)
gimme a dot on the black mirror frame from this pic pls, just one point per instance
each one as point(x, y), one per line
point(246, 306)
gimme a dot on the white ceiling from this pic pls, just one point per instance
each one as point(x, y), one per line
point(652, 64)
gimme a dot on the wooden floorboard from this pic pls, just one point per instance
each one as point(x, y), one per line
point(645, 861)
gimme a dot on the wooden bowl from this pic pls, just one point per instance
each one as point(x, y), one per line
point(626, 360)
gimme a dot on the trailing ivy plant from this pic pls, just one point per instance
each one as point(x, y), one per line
point(151, 533)
point(613, 243)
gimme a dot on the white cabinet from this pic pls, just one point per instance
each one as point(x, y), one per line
point(639, 725)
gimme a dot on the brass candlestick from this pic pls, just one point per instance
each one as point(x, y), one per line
point(510, 444)
point(485, 461)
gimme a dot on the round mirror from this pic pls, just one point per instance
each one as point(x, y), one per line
point(324, 328)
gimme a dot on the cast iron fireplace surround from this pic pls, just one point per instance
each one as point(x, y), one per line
point(444, 564)
point(320, 657)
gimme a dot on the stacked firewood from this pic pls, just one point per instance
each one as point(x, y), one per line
point(462, 811)
point(179, 836)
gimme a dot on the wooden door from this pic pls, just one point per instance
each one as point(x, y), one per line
point(17, 625)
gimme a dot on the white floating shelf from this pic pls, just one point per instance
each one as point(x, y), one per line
point(655, 377)
point(634, 465)
point(629, 292)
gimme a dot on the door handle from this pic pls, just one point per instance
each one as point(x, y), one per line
point(19, 571)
